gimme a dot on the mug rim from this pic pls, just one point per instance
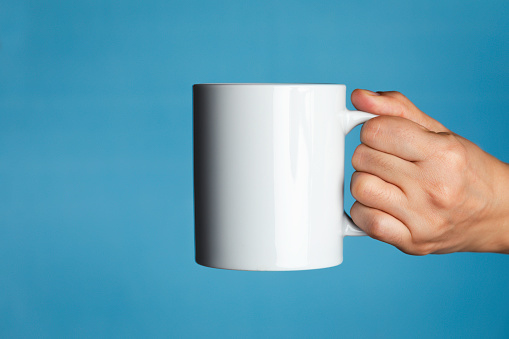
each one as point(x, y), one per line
point(267, 84)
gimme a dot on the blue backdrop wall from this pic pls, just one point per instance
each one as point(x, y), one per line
point(96, 191)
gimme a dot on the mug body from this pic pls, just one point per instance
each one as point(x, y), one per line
point(268, 175)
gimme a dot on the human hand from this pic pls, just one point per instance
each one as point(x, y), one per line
point(421, 187)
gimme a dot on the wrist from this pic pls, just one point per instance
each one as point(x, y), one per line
point(498, 217)
point(503, 208)
point(489, 226)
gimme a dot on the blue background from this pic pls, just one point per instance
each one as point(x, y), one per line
point(96, 191)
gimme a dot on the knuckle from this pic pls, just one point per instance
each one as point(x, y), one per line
point(456, 156)
point(442, 195)
point(376, 228)
point(370, 129)
point(400, 103)
point(386, 164)
point(364, 158)
point(365, 189)
point(444, 184)
point(355, 186)
point(418, 247)
point(361, 188)
point(448, 196)
point(397, 95)
point(353, 211)
point(424, 241)
point(422, 249)
point(416, 251)
point(453, 152)
point(358, 156)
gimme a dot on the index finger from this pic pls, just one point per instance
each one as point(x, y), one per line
point(398, 136)
point(394, 103)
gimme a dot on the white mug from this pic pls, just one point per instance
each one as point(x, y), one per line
point(269, 175)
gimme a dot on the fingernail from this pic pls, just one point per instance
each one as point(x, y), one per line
point(371, 92)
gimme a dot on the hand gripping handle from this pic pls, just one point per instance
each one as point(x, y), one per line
point(352, 119)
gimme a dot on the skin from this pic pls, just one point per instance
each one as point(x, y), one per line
point(423, 188)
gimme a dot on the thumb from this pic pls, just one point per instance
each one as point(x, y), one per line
point(394, 104)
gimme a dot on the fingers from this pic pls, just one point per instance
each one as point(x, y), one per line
point(388, 167)
point(400, 137)
point(381, 226)
point(376, 193)
point(393, 104)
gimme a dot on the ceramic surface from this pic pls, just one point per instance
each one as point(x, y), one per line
point(269, 171)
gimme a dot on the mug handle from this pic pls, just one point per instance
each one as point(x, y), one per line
point(350, 120)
